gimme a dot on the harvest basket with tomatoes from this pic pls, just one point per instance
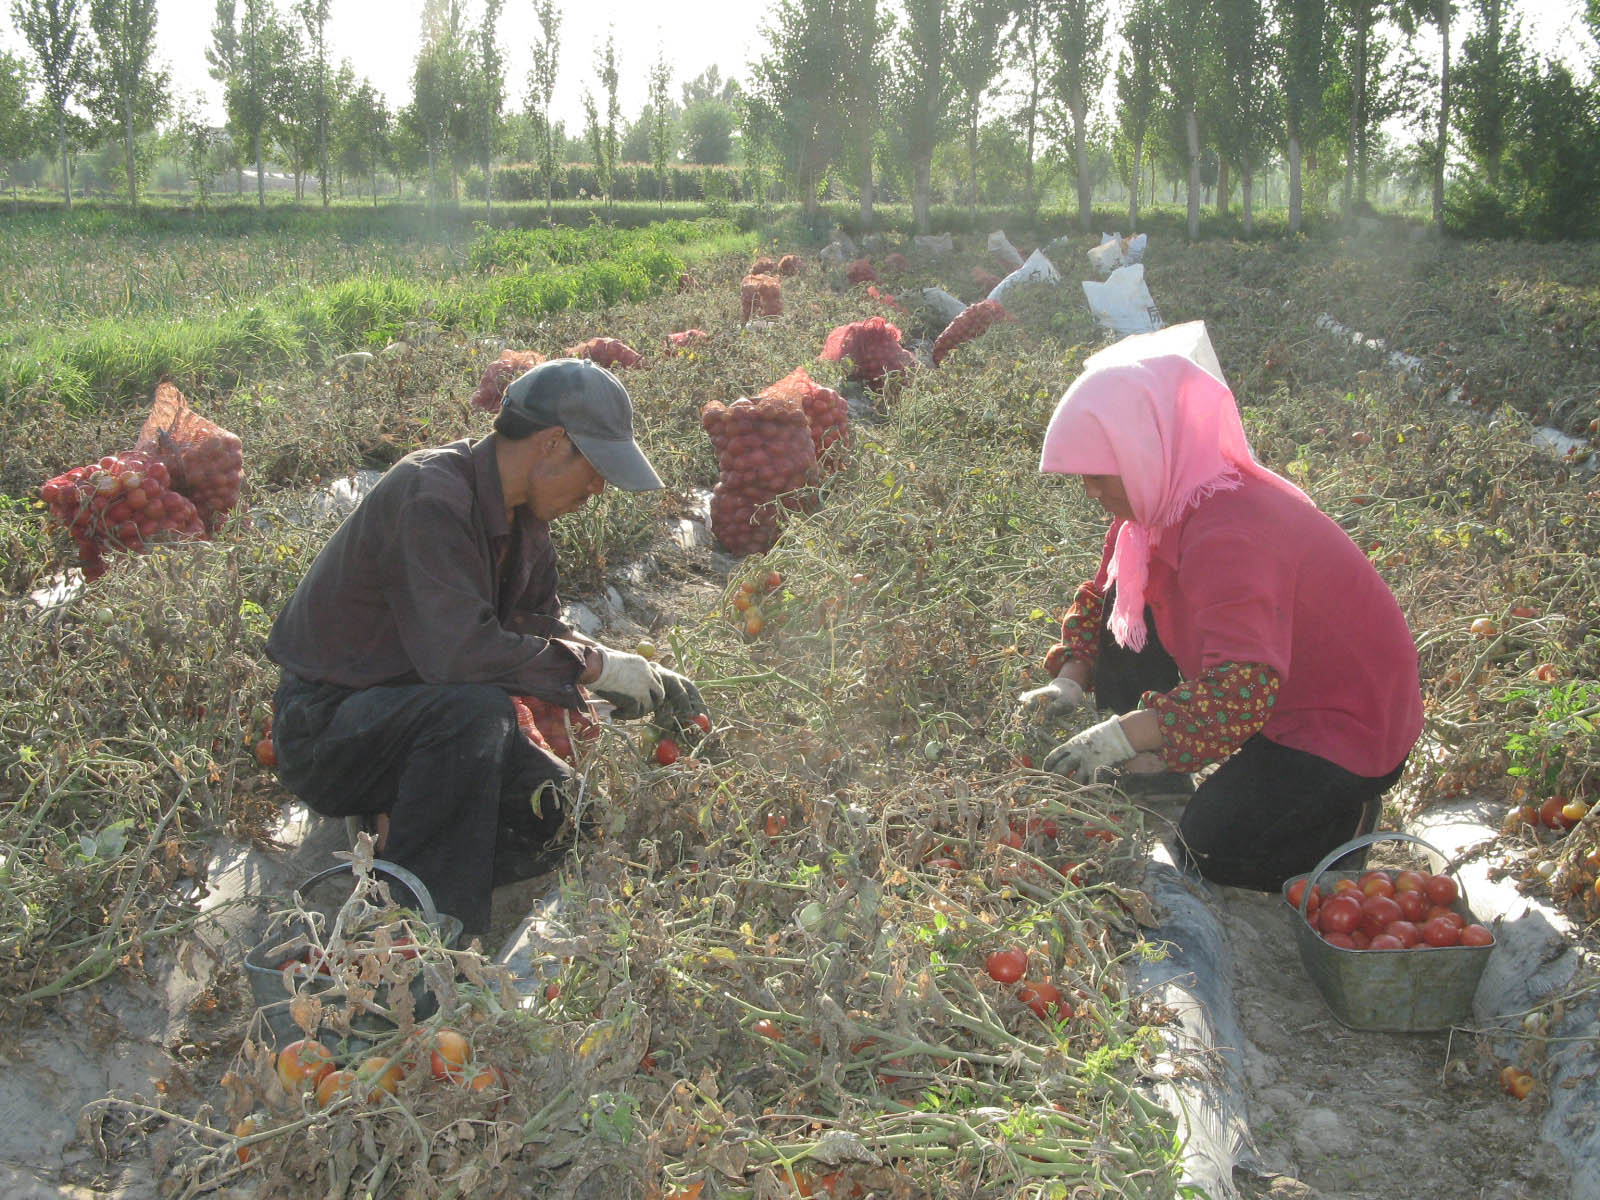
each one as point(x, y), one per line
point(1389, 951)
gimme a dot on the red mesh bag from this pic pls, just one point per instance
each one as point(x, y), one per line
point(861, 271)
point(827, 415)
point(763, 266)
point(789, 264)
point(969, 323)
point(760, 296)
point(984, 281)
point(897, 262)
point(546, 726)
point(123, 502)
point(608, 352)
point(884, 298)
point(873, 348)
point(768, 465)
point(204, 460)
point(682, 341)
point(497, 376)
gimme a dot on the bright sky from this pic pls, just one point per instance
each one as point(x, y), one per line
point(379, 37)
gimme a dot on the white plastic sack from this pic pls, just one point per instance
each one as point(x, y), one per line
point(1000, 246)
point(1107, 256)
point(1133, 248)
point(1189, 339)
point(834, 255)
point(945, 306)
point(1123, 303)
point(935, 245)
point(1038, 269)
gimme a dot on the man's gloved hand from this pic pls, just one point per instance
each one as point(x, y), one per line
point(682, 697)
point(630, 684)
point(1055, 699)
point(1102, 745)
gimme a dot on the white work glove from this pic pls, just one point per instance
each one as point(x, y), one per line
point(1055, 699)
point(629, 683)
point(1102, 745)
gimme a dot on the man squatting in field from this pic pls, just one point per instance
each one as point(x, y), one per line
point(1231, 622)
point(429, 608)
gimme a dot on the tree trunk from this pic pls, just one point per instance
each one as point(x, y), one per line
point(922, 193)
point(1029, 200)
point(66, 168)
point(1080, 161)
point(432, 178)
point(261, 176)
point(1222, 186)
point(1244, 197)
point(1358, 104)
point(1191, 129)
point(127, 145)
point(1444, 118)
point(1294, 183)
point(322, 157)
point(972, 165)
point(864, 149)
point(1133, 191)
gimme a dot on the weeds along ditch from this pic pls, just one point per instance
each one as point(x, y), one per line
point(772, 964)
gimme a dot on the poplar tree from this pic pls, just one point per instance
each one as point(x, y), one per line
point(129, 97)
point(974, 64)
point(541, 92)
point(54, 32)
point(1078, 39)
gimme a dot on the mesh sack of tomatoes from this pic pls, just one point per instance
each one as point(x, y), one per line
point(545, 725)
point(760, 296)
point(684, 339)
point(873, 348)
point(827, 415)
point(789, 264)
point(768, 467)
point(608, 352)
point(897, 262)
point(861, 271)
point(497, 377)
point(763, 266)
point(973, 321)
point(123, 502)
point(204, 461)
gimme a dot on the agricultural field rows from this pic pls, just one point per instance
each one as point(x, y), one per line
point(779, 976)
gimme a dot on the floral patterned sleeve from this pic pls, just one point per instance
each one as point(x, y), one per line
point(1080, 631)
point(1207, 720)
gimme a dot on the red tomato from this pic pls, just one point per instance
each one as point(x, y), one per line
point(301, 1064)
point(1013, 839)
point(666, 752)
point(1385, 941)
point(267, 752)
point(703, 722)
point(1441, 889)
point(1440, 932)
point(450, 1055)
point(1006, 966)
point(1378, 913)
point(1343, 886)
point(1360, 937)
point(1550, 812)
point(1044, 999)
point(776, 824)
point(1409, 881)
point(1406, 931)
point(1297, 890)
point(1413, 904)
point(483, 1077)
point(1341, 914)
point(1476, 935)
point(1341, 940)
point(945, 864)
point(767, 1029)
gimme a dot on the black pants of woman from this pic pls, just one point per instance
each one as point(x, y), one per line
point(472, 803)
point(1266, 813)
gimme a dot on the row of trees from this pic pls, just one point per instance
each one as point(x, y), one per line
point(1231, 84)
point(1214, 93)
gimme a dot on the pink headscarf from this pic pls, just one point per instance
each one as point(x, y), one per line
point(1171, 431)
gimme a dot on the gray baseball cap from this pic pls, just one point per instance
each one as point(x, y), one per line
point(591, 404)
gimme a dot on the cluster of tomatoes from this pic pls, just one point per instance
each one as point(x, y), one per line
point(309, 1071)
point(768, 465)
point(546, 725)
point(1557, 812)
point(123, 502)
point(1389, 910)
point(746, 603)
point(1043, 997)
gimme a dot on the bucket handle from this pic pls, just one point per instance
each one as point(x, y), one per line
point(382, 866)
point(1368, 839)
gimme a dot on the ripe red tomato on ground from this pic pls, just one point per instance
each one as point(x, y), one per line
point(301, 1064)
point(1006, 966)
point(703, 722)
point(776, 824)
point(666, 752)
point(1045, 1000)
point(767, 1028)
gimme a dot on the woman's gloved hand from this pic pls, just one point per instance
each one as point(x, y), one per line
point(682, 697)
point(1057, 698)
point(1102, 745)
point(630, 684)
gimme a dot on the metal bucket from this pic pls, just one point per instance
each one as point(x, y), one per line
point(264, 966)
point(1390, 991)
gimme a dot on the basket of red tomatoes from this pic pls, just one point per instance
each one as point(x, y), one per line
point(1392, 951)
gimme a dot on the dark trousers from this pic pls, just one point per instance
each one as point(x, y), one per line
point(1268, 811)
point(472, 803)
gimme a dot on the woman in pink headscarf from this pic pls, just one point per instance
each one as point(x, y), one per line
point(1245, 628)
